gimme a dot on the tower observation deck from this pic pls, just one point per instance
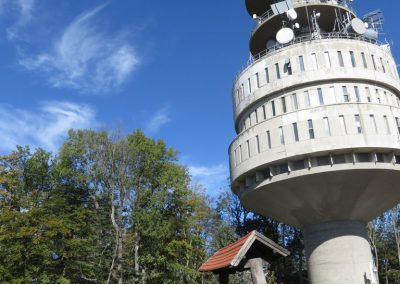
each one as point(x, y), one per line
point(317, 116)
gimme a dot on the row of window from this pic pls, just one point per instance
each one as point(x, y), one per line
point(241, 91)
point(245, 151)
point(317, 97)
point(311, 162)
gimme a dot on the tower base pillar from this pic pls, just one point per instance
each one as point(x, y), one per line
point(339, 252)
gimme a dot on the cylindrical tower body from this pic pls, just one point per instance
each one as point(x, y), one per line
point(318, 133)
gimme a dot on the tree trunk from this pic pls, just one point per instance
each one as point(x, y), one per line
point(116, 229)
point(136, 256)
point(119, 268)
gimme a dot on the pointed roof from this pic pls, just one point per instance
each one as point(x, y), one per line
point(251, 245)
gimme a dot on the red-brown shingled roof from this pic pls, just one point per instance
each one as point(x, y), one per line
point(225, 256)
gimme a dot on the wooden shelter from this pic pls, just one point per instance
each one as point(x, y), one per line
point(251, 252)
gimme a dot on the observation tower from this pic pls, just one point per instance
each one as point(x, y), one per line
point(317, 116)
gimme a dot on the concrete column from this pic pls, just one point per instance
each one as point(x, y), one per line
point(339, 252)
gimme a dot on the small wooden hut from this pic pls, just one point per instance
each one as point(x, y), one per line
point(251, 252)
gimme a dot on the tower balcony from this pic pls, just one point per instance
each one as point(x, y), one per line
point(269, 24)
point(305, 65)
point(261, 7)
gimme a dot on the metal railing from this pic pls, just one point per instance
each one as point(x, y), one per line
point(302, 39)
point(269, 14)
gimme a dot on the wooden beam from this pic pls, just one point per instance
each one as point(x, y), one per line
point(224, 277)
point(256, 269)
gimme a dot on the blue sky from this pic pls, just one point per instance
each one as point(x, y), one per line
point(166, 67)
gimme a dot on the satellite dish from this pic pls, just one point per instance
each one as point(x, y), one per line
point(271, 44)
point(285, 35)
point(254, 16)
point(296, 26)
point(371, 34)
point(356, 26)
point(291, 14)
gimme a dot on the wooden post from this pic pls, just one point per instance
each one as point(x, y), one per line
point(224, 277)
point(256, 269)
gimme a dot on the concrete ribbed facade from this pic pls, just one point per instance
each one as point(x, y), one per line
point(318, 137)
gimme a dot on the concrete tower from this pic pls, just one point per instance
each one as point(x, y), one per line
point(317, 116)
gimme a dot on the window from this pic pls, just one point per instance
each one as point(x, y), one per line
point(264, 113)
point(383, 66)
point(346, 96)
point(311, 129)
point(295, 132)
point(364, 60)
point(258, 144)
point(273, 108)
point(278, 73)
point(343, 124)
point(353, 59)
point(328, 60)
point(235, 157)
point(243, 89)
point(258, 80)
point(327, 126)
point(307, 98)
point(340, 57)
point(368, 92)
point(358, 123)
point(387, 124)
point(398, 124)
point(240, 154)
point(288, 67)
point(269, 139)
point(256, 115)
point(301, 63)
point(373, 61)
point(267, 75)
point(283, 100)
point(373, 121)
point(248, 148)
point(357, 92)
point(378, 96)
point(237, 97)
point(249, 84)
point(282, 137)
point(295, 103)
point(314, 61)
point(320, 96)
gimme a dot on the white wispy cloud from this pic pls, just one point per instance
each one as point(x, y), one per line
point(161, 118)
point(213, 177)
point(85, 59)
point(23, 9)
point(44, 127)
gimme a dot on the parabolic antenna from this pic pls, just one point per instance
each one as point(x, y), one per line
point(371, 34)
point(285, 35)
point(291, 14)
point(356, 26)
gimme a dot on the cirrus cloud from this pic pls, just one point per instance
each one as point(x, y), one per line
point(45, 127)
point(85, 59)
